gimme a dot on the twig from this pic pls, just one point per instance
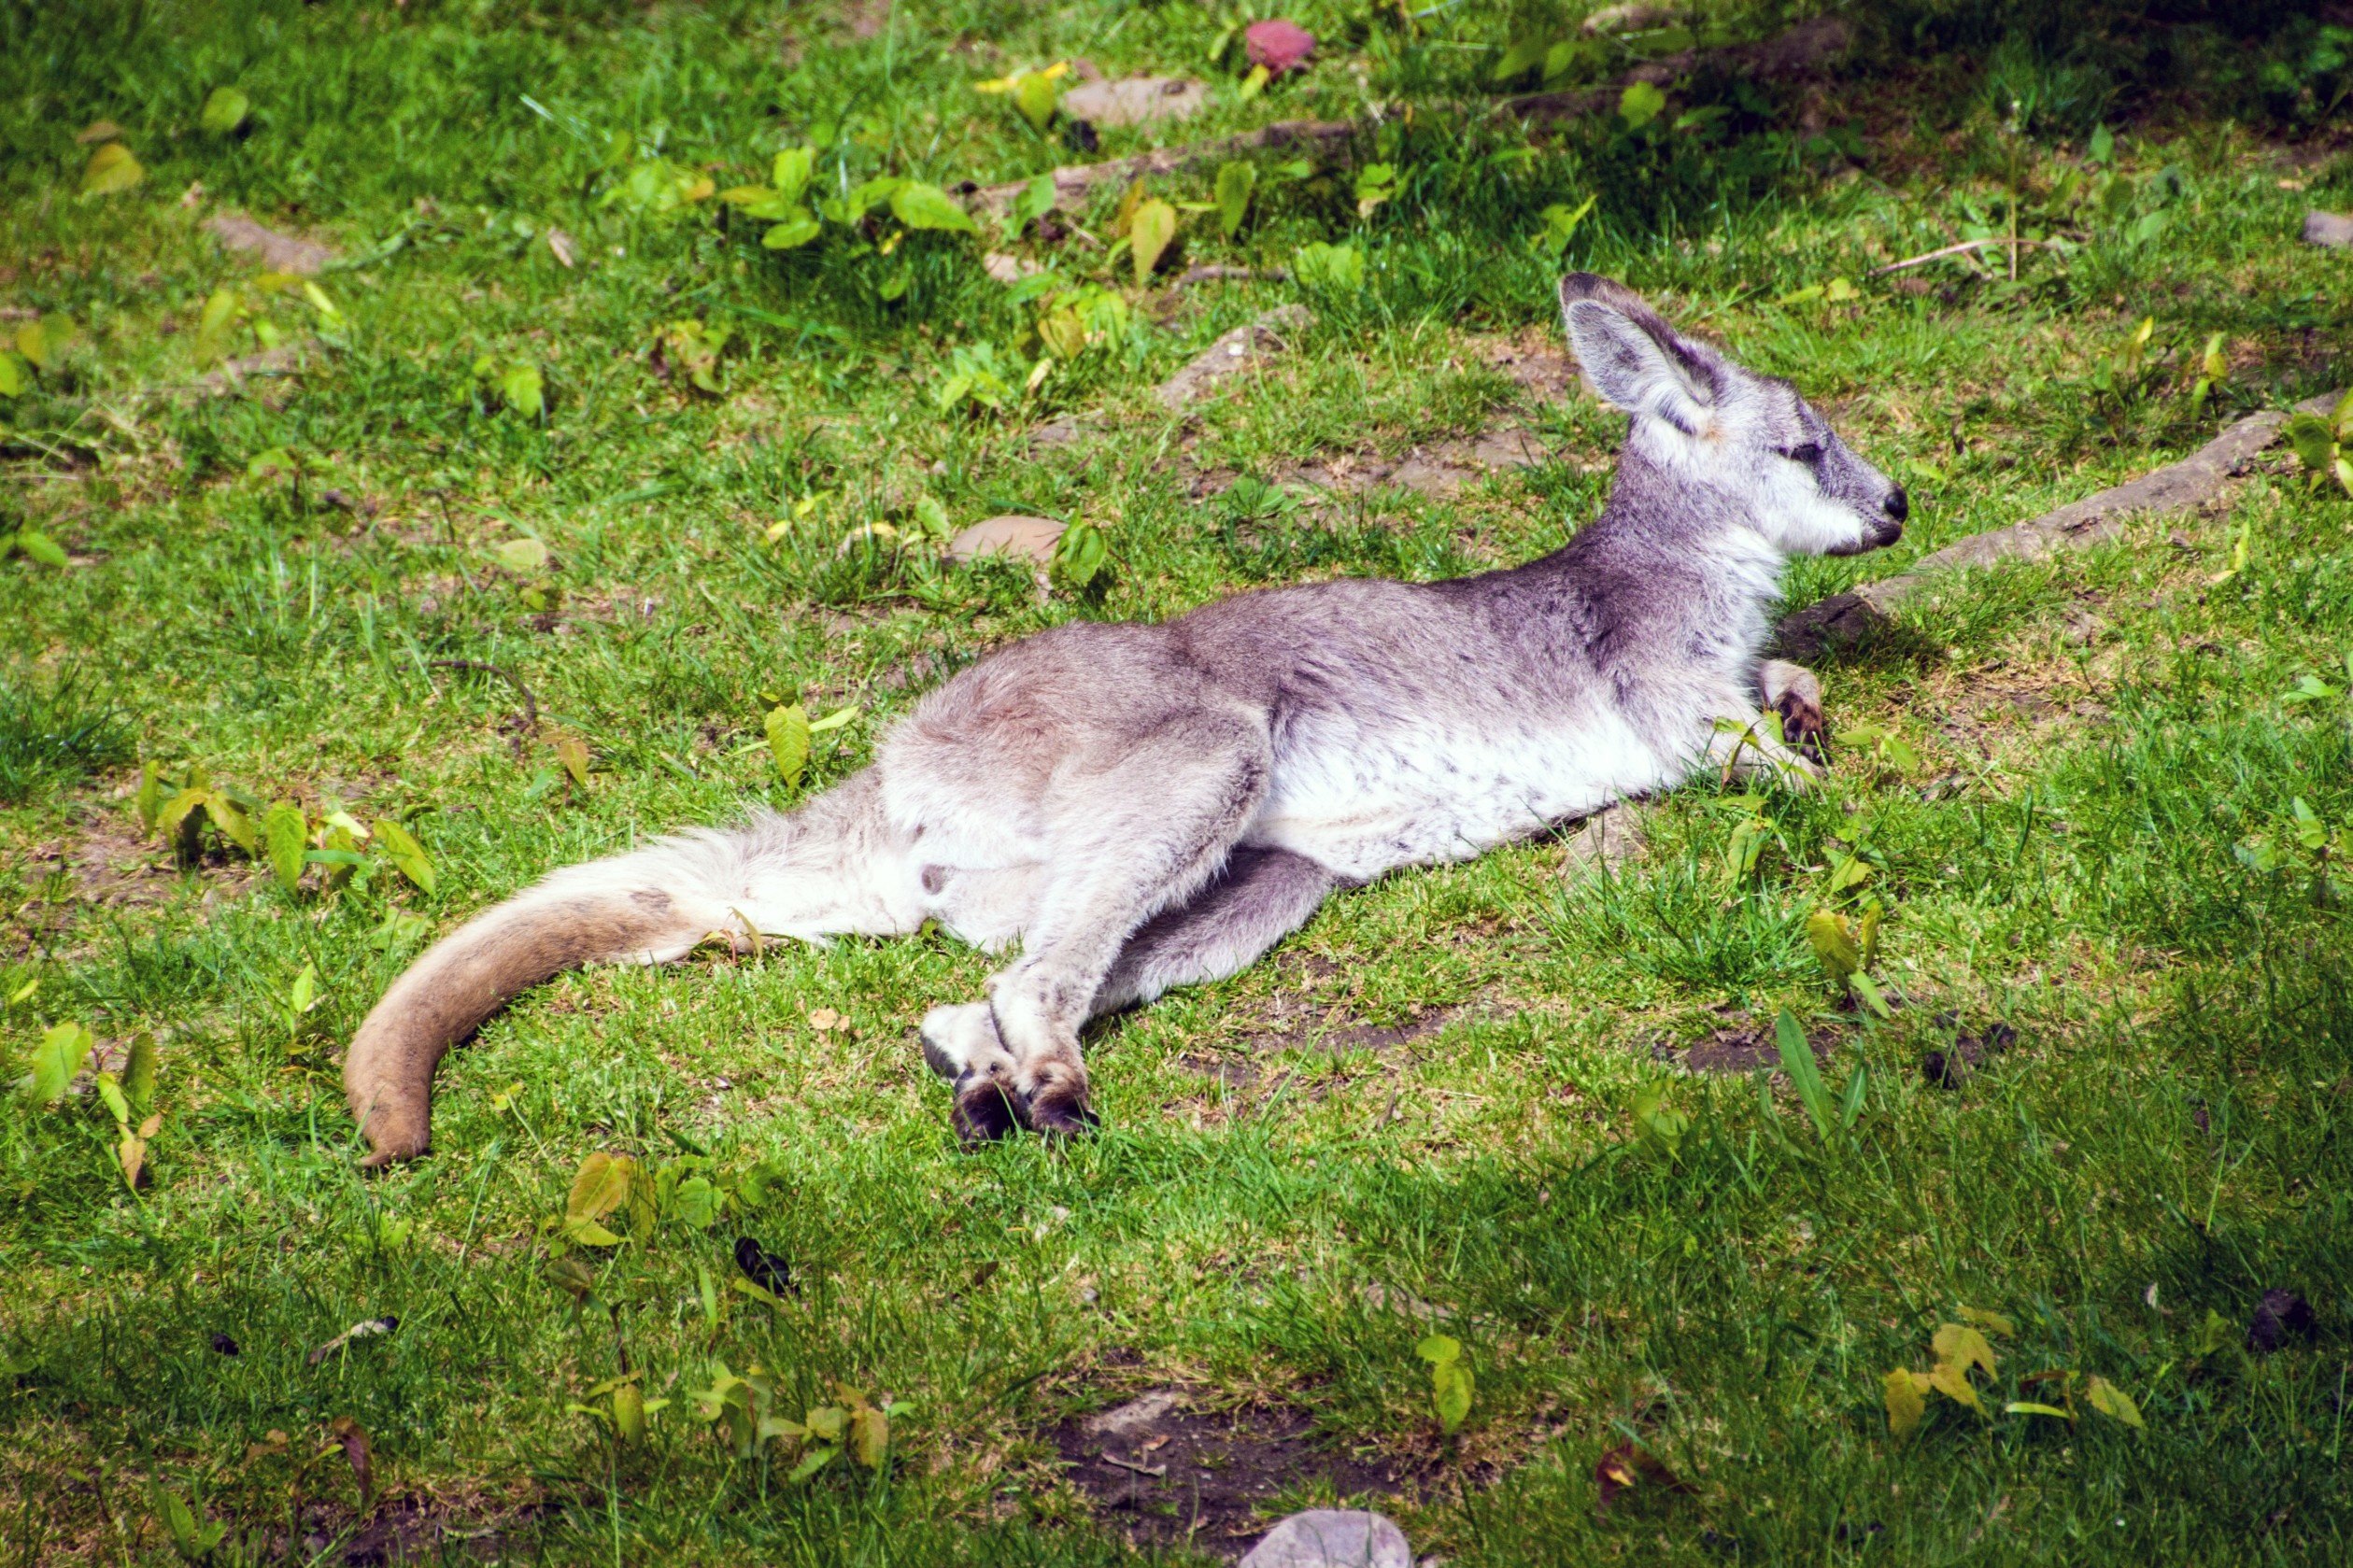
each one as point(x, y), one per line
point(1110, 1458)
point(1222, 274)
point(531, 703)
point(1939, 255)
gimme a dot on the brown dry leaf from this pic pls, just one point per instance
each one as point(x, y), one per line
point(824, 1020)
point(560, 245)
point(354, 1439)
point(97, 131)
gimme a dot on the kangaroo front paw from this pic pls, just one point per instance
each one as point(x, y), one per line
point(1803, 727)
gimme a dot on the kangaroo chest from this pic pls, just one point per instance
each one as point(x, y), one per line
point(1367, 798)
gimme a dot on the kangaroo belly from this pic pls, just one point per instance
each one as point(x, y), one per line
point(1367, 802)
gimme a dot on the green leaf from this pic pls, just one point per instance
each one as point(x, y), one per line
point(1037, 95)
point(138, 1073)
point(524, 556)
point(1079, 555)
point(110, 171)
point(1149, 233)
point(1868, 990)
point(2113, 1403)
point(1797, 1060)
point(788, 741)
point(2314, 441)
point(1858, 1091)
point(792, 171)
point(1959, 1345)
point(64, 1049)
point(697, 1201)
point(270, 463)
point(286, 834)
point(224, 111)
point(231, 819)
point(1833, 942)
point(2028, 1407)
point(1235, 182)
point(1438, 1349)
point(1451, 1390)
point(12, 382)
point(407, 855)
point(792, 233)
point(192, 1538)
point(926, 206)
point(600, 1186)
point(1035, 200)
point(2101, 146)
point(1337, 267)
point(811, 1462)
point(40, 546)
point(1641, 104)
point(523, 390)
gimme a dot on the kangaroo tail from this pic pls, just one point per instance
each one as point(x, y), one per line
point(805, 875)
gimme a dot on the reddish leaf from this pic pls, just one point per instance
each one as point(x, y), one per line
point(1281, 45)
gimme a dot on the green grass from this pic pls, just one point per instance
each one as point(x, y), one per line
point(1423, 1109)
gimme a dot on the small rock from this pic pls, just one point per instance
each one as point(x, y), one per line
point(1008, 269)
point(224, 1346)
point(2331, 229)
point(1607, 842)
point(1332, 1539)
point(1135, 100)
point(1632, 16)
point(1030, 539)
point(278, 252)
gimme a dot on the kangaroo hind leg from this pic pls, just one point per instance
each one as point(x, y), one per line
point(1128, 839)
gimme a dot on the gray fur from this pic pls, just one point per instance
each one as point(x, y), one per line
point(1141, 807)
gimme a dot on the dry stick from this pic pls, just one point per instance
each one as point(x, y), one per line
point(1939, 255)
point(2175, 487)
point(531, 703)
point(1110, 1458)
point(1214, 274)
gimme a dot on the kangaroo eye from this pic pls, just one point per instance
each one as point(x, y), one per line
point(1809, 454)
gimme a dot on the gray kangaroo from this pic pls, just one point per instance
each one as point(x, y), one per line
point(1141, 807)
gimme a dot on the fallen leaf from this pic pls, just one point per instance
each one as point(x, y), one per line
point(97, 131)
point(2113, 1402)
point(524, 555)
point(1280, 44)
point(1625, 1467)
point(1906, 1401)
point(354, 1440)
point(825, 1018)
point(111, 170)
point(560, 245)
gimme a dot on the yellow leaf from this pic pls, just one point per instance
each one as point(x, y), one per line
point(1906, 1401)
point(111, 169)
point(1993, 1323)
point(1964, 1348)
point(1953, 1383)
point(2113, 1403)
point(522, 554)
point(600, 1186)
point(1148, 235)
point(572, 752)
point(869, 1436)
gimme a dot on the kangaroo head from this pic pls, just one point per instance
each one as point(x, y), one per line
point(1742, 435)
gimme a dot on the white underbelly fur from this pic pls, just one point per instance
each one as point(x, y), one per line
point(1366, 801)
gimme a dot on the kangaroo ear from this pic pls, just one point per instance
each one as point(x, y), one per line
point(1636, 362)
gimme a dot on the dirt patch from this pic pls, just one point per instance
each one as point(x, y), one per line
point(1164, 1476)
point(1744, 1050)
point(413, 1530)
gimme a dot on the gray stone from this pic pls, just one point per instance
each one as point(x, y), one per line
point(278, 252)
point(1605, 843)
point(1332, 1539)
point(2331, 229)
point(1135, 100)
point(1241, 350)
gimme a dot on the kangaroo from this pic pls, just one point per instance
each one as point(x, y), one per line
point(1139, 807)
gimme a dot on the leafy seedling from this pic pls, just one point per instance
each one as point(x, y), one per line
point(1451, 1383)
point(2324, 444)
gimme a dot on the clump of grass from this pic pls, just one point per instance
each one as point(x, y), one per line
point(55, 732)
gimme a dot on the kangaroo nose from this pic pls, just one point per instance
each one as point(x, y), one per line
point(1898, 505)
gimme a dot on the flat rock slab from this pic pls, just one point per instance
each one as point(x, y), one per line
point(1332, 1539)
point(1166, 1477)
point(278, 252)
point(1239, 350)
point(2331, 229)
point(1135, 100)
point(1030, 539)
point(1605, 843)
